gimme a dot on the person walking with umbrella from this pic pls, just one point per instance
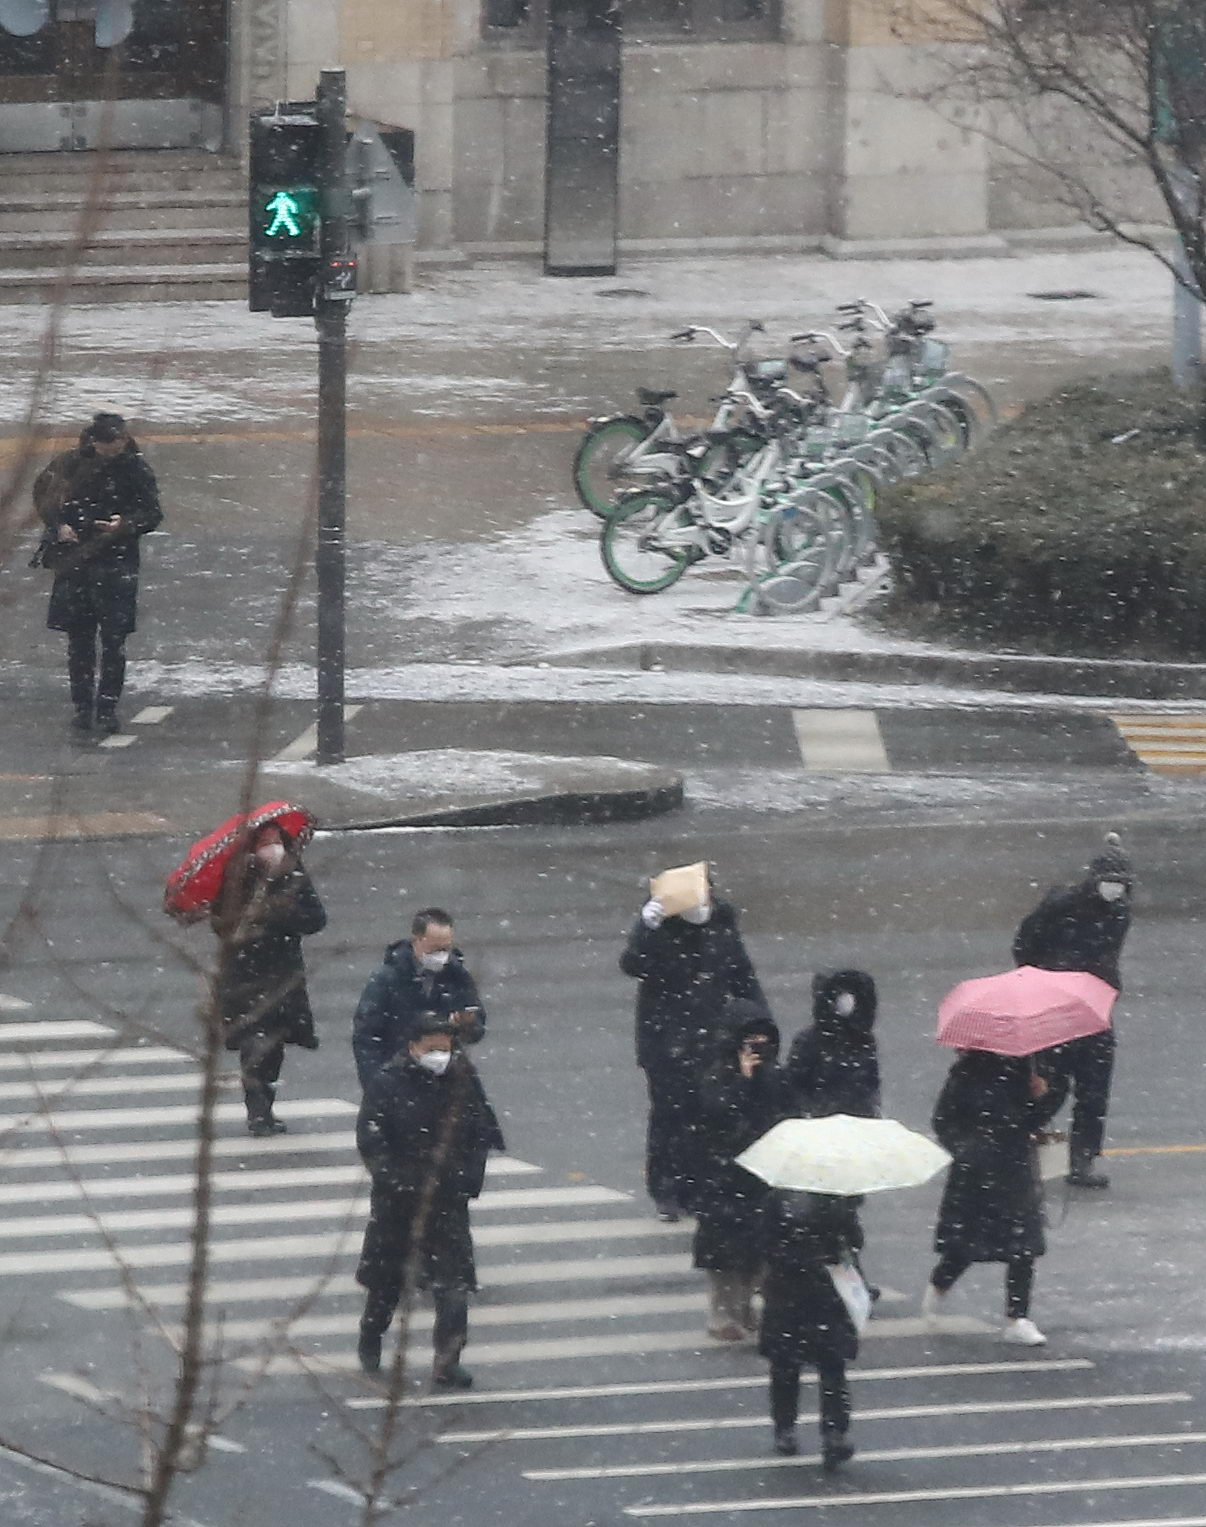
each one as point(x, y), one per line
point(687, 955)
point(95, 503)
point(1083, 927)
point(265, 906)
point(740, 1097)
point(816, 1301)
point(424, 1131)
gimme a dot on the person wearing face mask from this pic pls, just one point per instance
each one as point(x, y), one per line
point(421, 974)
point(424, 1131)
point(833, 1066)
point(1083, 927)
point(741, 1096)
point(267, 905)
point(688, 967)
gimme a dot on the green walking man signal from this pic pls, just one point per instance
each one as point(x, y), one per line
point(287, 213)
point(289, 218)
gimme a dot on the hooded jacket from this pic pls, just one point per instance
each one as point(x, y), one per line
point(687, 972)
point(833, 1066)
point(398, 994)
point(1072, 928)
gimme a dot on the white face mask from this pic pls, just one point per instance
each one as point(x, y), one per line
point(1111, 890)
point(698, 915)
point(436, 961)
point(844, 1004)
point(271, 856)
point(435, 1061)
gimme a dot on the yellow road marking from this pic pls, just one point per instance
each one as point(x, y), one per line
point(1169, 744)
point(1155, 1150)
point(96, 824)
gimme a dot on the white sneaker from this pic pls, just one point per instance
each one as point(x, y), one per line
point(1022, 1333)
point(933, 1307)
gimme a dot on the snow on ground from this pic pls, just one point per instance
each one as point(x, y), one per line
point(469, 681)
point(456, 772)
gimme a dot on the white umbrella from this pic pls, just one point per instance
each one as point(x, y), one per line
point(843, 1155)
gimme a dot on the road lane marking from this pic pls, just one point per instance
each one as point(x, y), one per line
point(53, 1028)
point(152, 715)
point(95, 1189)
point(840, 741)
point(274, 1289)
point(57, 1092)
point(14, 1157)
point(118, 740)
point(868, 1455)
point(57, 826)
point(301, 747)
point(129, 1055)
point(712, 1386)
point(339, 1491)
point(175, 1113)
point(904, 1497)
point(14, 1004)
point(1166, 744)
point(884, 1413)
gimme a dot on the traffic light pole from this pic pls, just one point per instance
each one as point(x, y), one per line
point(330, 318)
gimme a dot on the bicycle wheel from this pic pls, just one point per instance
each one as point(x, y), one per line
point(634, 553)
point(850, 517)
point(865, 482)
point(599, 475)
point(802, 542)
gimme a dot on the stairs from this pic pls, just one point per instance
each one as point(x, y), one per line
point(167, 225)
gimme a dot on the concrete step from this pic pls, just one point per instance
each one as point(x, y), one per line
point(62, 213)
point(159, 246)
point(33, 174)
point(125, 283)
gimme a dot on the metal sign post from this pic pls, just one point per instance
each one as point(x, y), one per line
point(336, 286)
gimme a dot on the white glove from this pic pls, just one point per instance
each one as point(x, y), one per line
point(653, 914)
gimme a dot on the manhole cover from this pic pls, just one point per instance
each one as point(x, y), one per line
point(623, 291)
point(1075, 294)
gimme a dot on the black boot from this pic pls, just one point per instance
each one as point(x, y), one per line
point(835, 1451)
point(81, 719)
point(786, 1442)
point(1082, 1174)
point(368, 1349)
point(106, 720)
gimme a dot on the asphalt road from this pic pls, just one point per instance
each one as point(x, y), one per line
point(583, 1291)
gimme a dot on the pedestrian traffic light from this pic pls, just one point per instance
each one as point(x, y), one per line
point(284, 210)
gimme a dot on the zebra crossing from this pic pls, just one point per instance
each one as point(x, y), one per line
point(598, 1392)
point(1173, 744)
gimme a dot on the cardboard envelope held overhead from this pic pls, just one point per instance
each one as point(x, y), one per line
point(680, 889)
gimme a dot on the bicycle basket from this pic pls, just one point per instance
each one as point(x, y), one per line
point(934, 357)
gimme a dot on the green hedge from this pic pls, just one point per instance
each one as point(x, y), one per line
point(1054, 534)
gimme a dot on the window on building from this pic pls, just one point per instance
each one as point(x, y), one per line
point(524, 21)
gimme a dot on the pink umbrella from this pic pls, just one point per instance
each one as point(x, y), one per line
point(1024, 1010)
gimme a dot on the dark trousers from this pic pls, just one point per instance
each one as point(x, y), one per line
point(260, 1055)
point(82, 665)
point(1086, 1068)
point(671, 1146)
point(1019, 1280)
point(451, 1330)
point(834, 1394)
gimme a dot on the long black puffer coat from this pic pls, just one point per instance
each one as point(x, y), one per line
point(687, 973)
point(734, 1111)
point(992, 1206)
point(99, 577)
point(1073, 928)
point(804, 1319)
point(424, 1140)
point(833, 1067)
point(261, 977)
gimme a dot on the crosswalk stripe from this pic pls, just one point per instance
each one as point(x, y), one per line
point(871, 1455)
point(996, 1369)
point(125, 1055)
point(14, 1004)
point(1171, 744)
point(840, 741)
point(880, 1413)
point(95, 1189)
point(175, 1113)
point(152, 715)
point(113, 1223)
point(53, 1028)
point(633, 1343)
point(322, 1244)
point(274, 1290)
point(99, 1153)
point(905, 1497)
point(60, 1091)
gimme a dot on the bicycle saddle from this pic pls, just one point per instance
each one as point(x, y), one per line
point(653, 399)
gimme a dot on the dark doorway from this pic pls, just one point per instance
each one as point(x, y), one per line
point(581, 203)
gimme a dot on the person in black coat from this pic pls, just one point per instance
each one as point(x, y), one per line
point(95, 502)
point(987, 1115)
point(833, 1066)
point(268, 904)
point(424, 1130)
point(805, 1322)
point(688, 966)
point(1083, 927)
point(422, 974)
point(741, 1096)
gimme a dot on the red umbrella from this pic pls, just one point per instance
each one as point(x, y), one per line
point(196, 882)
point(1024, 1010)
